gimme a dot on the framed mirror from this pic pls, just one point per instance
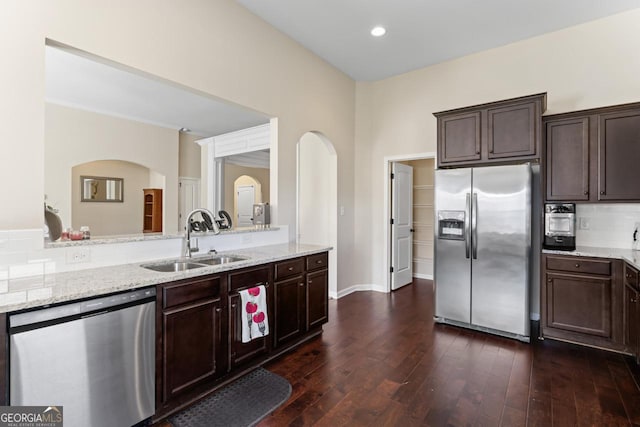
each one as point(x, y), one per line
point(101, 189)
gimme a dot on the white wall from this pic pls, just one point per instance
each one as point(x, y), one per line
point(76, 137)
point(590, 65)
point(213, 46)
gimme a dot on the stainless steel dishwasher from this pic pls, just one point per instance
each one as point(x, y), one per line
point(95, 358)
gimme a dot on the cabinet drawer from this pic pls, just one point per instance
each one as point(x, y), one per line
point(248, 278)
point(289, 268)
point(579, 265)
point(630, 276)
point(318, 261)
point(184, 293)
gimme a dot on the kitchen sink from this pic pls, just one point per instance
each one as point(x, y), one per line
point(222, 259)
point(173, 266)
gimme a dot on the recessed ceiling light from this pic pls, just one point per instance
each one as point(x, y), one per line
point(378, 31)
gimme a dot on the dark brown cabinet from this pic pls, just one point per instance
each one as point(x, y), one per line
point(301, 300)
point(289, 300)
point(619, 155)
point(491, 133)
point(592, 155)
point(317, 290)
point(582, 300)
point(239, 352)
point(631, 311)
point(567, 165)
point(191, 335)
point(199, 330)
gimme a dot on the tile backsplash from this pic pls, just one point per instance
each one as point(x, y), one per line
point(24, 259)
point(606, 225)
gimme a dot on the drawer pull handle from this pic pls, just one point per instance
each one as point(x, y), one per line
point(301, 284)
point(633, 300)
point(233, 306)
point(586, 193)
point(310, 281)
point(290, 268)
point(218, 310)
point(577, 265)
point(319, 261)
point(549, 280)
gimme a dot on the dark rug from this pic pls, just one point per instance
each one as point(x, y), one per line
point(242, 403)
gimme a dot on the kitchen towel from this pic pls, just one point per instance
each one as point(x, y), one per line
point(255, 323)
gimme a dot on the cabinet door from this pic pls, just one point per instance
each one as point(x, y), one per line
point(240, 352)
point(512, 131)
point(459, 137)
point(631, 338)
point(579, 304)
point(567, 168)
point(619, 156)
point(317, 298)
point(192, 346)
point(289, 297)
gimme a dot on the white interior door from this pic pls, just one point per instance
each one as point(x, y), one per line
point(401, 229)
point(188, 198)
point(246, 197)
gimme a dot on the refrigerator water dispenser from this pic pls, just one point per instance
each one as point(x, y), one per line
point(451, 225)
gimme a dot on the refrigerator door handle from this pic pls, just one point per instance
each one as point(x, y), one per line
point(474, 225)
point(467, 234)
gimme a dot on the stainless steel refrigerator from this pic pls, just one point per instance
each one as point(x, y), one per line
point(482, 248)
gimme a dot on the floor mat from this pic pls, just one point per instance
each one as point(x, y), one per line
point(242, 403)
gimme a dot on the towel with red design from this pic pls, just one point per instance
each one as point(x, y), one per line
point(255, 323)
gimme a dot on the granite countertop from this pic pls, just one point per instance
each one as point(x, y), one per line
point(126, 238)
point(628, 255)
point(21, 294)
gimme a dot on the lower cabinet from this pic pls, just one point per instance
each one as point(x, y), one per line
point(582, 300)
point(290, 307)
point(240, 352)
point(301, 299)
point(632, 311)
point(317, 298)
point(199, 325)
point(191, 335)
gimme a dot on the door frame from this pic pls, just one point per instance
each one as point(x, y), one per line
point(387, 206)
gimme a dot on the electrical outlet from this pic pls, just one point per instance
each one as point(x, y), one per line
point(584, 223)
point(78, 255)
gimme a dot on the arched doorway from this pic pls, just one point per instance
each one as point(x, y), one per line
point(317, 198)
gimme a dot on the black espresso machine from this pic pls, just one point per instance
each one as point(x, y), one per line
point(560, 226)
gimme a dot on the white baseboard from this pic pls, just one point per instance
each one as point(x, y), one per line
point(357, 288)
point(534, 316)
point(423, 276)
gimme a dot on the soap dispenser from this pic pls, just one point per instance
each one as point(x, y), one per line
point(636, 237)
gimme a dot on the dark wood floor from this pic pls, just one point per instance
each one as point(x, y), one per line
point(382, 361)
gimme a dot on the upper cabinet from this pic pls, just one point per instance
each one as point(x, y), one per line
point(492, 133)
point(592, 155)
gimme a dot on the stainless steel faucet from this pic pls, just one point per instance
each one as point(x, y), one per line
point(216, 230)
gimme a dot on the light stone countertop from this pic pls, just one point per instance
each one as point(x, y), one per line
point(18, 294)
point(126, 238)
point(628, 255)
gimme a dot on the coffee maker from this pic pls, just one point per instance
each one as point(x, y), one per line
point(560, 226)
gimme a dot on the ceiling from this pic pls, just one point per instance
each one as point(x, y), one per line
point(75, 79)
point(419, 32)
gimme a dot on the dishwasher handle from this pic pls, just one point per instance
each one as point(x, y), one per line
point(69, 311)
